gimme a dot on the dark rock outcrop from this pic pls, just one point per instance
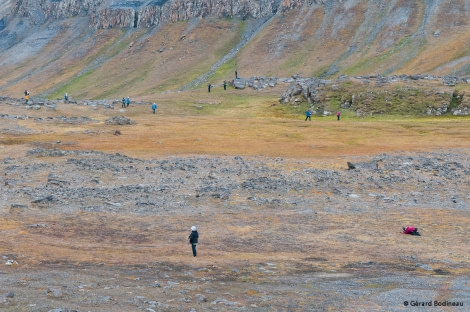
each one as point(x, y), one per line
point(372, 97)
point(136, 14)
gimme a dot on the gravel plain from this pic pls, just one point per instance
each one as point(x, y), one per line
point(94, 231)
point(108, 233)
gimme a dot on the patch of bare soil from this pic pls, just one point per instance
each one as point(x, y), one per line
point(97, 231)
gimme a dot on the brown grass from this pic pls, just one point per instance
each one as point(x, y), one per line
point(235, 123)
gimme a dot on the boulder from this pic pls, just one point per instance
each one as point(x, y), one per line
point(239, 83)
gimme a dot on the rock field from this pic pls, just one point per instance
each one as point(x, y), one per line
point(90, 231)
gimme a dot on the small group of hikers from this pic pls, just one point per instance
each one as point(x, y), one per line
point(209, 86)
point(126, 102)
point(308, 115)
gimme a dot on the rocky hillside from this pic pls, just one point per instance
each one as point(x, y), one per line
point(107, 48)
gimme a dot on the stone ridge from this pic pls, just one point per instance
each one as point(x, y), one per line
point(141, 14)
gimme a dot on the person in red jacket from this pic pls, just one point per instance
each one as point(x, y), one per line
point(411, 230)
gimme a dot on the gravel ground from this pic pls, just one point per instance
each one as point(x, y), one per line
point(89, 231)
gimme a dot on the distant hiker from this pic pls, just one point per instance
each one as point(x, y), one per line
point(308, 115)
point(338, 115)
point(236, 74)
point(411, 230)
point(209, 88)
point(225, 84)
point(66, 98)
point(193, 237)
point(123, 103)
point(154, 107)
point(26, 95)
point(128, 101)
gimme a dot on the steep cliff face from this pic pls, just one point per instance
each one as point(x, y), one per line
point(147, 13)
point(121, 13)
point(39, 11)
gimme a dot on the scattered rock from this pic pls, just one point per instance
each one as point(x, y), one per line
point(37, 225)
point(18, 206)
point(48, 198)
point(201, 298)
point(225, 302)
point(11, 262)
point(423, 266)
point(155, 284)
point(119, 120)
point(53, 292)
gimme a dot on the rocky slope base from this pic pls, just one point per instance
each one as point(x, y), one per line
point(415, 95)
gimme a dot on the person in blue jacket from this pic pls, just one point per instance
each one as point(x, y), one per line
point(308, 113)
point(154, 107)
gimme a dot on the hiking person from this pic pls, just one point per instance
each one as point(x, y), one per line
point(209, 88)
point(225, 84)
point(128, 101)
point(411, 230)
point(26, 96)
point(193, 237)
point(66, 98)
point(338, 115)
point(123, 103)
point(154, 107)
point(308, 113)
point(236, 74)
